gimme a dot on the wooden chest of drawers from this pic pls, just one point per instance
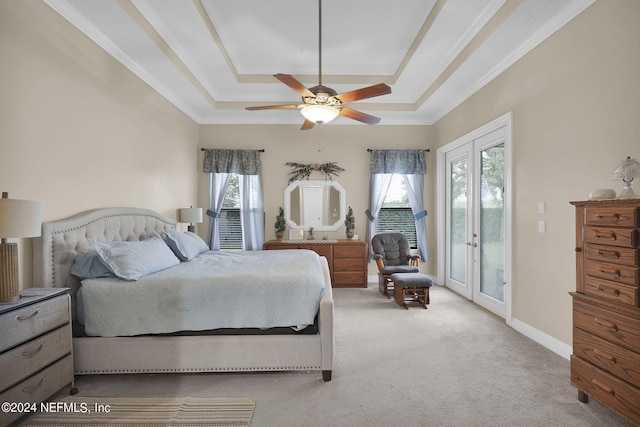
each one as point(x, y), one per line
point(35, 348)
point(606, 305)
point(347, 258)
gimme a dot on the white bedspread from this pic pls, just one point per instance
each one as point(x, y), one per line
point(262, 289)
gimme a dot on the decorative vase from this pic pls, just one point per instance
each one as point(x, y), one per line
point(279, 235)
point(350, 234)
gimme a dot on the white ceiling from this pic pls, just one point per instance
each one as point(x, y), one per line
point(213, 58)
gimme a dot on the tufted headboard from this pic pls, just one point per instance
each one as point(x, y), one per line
point(61, 241)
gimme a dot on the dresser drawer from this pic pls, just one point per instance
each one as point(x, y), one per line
point(349, 278)
point(38, 387)
point(606, 324)
point(613, 392)
point(616, 255)
point(22, 361)
point(349, 251)
point(624, 237)
point(27, 322)
point(614, 359)
point(613, 272)
point(617, 216)
point(611, 291)
point(348, 264)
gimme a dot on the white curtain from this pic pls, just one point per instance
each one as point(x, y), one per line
point(218, 184)
point(378, 188)
point(220, 164)
point(251, 212)
point(415, 189)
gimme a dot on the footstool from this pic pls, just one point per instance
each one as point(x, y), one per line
point(411, 288)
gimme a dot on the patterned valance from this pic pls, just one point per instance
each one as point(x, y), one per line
point(243, 162)
point(409, 162)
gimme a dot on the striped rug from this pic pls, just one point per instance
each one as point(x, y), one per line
point(121, 411)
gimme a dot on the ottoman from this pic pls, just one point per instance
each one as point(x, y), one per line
point(411, 288)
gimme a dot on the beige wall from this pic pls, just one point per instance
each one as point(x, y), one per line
point(576, 106)
point(344, 144)
point(79, 131)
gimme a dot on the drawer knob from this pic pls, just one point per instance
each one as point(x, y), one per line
point(29, 354)
point(21, 318)
point(613, 292)
point(603, 387)
point(605, 236)
point(608, 254)
point(604, 355)
point(30, 390)
point(614, 273)
point(615, 217)
point(605, 324)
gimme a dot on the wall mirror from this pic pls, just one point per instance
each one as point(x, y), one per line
point(317, 204)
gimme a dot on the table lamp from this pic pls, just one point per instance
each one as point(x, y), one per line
point(627, 170)
point(191, 215)
point(18, 218)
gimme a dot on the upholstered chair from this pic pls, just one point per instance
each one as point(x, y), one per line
point(392, 254)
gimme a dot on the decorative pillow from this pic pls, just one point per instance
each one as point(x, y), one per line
point(185, 245)
point(132, 260)
point(90, 266)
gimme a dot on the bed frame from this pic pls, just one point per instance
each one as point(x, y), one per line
point(61, 241)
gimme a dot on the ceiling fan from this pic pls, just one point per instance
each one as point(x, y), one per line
point(321, 104)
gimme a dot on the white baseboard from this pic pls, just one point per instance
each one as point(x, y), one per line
point(541, 338)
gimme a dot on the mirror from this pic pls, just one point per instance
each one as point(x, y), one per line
point(317, 204)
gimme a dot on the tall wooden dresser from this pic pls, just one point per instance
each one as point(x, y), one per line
point(606, 305)
point(347, 258)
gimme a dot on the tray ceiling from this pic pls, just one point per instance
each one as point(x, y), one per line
point(212, 59)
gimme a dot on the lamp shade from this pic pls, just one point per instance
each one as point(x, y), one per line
point(20, 218)
point(318, 113)
point(191, 215)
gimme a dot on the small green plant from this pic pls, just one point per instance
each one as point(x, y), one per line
point(280, 223)
point(349, 220)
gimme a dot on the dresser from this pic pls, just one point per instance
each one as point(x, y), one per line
point(605, 363)
point(347, 259)
point(35, 350)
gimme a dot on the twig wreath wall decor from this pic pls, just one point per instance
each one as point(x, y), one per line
point(301, 171)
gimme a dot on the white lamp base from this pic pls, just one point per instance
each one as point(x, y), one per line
point(9, 279)
point(627, 192)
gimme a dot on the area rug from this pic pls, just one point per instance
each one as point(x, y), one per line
point(121, 411)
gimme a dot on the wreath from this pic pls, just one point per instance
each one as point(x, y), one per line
point(301, 171)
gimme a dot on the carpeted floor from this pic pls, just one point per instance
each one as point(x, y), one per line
point(451, 365)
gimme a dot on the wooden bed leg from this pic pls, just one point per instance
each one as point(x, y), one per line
point(326, 375)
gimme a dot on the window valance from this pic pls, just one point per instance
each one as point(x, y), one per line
point(243, 162)
point(408, 162)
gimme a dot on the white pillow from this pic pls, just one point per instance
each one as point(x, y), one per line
point(132, 260)
point(186, 245)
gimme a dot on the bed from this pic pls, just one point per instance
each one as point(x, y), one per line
point(140, 351)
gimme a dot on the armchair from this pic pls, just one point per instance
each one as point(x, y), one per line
point(392, 255)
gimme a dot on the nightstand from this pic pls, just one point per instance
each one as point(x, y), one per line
point(35, 349)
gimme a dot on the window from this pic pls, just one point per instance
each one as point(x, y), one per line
point(396, 213)
point(229, 222)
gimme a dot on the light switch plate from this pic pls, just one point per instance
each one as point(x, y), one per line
point(541, 227)
point(542, 208)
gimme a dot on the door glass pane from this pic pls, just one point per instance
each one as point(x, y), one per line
point(492, 222)
point(458, 221)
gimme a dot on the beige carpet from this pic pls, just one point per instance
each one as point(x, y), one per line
point(122, 411)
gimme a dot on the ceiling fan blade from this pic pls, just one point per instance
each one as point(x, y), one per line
point(308, 124)
point(294, 84)
point(272, 107)
point(359, 116)
point(366, 92)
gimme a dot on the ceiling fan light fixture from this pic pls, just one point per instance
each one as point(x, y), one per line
point(319, 113)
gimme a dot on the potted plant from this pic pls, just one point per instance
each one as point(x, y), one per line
point(349, 224)
point(280, 224)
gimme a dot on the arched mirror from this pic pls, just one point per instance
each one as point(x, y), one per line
point(317, 204)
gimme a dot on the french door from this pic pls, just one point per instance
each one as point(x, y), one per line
point(476, 217)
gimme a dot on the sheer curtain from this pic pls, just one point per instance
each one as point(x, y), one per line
point(220, 164)
point(411, 164)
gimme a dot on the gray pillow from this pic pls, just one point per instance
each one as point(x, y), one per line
point(185, 245)
point(134, 260)
point(90, 266)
